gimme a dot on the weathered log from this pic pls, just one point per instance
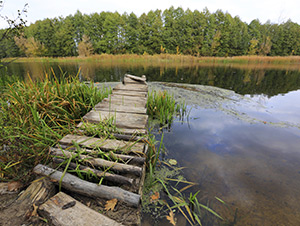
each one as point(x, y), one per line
point(122, 120)
point(76, 215)
point(97, 162)
point(82, 187)
point(127, 81)
point(115, 178)
point(103, 144)
point(136, 78)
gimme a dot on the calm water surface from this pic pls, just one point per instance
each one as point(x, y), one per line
point(254, 166)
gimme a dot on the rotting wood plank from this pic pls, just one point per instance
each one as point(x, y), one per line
point(122, 120)
point(104, 144)
point(128, 159)
point(136, 78)
point(132, 81)
point(129, 93)
point(99, 162)
point(110, 107)
point(132, 87)
point(77, 215)
point(124, 102)
point(36, 194)
point(75, 184)
point(115, 178)
point(143, 99)
point(130, 134)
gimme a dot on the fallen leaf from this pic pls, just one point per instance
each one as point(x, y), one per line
point(171, 218)
point(110, 204)
point(154, 197)
point(34, 212)
point(172, 162)
point(88, 204)
point(14, 186)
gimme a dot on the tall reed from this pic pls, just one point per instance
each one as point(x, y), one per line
point(162, 106)
point(35, 115)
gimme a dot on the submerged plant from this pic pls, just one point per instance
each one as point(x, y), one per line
point(162, 195)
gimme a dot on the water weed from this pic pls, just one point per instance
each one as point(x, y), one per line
point(162, 107)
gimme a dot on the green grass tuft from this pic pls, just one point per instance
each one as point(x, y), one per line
point(35, 115)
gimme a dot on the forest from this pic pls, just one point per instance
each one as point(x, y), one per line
point(172, 31)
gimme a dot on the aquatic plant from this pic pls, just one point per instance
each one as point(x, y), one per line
point(161, 106)
point(162, 196)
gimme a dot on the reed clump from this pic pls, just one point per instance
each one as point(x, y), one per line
point(35, 115)
point(170, 58)
point(162, 106)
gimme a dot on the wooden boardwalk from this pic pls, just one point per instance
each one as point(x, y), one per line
point(119, 162)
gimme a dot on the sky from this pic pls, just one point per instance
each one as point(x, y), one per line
point(277, 11)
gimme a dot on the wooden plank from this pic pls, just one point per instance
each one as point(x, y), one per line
point(123, 158)
point(115, 178)
point(76, 215)
point(133, 98)
point(75, 184)
point(39, 191)
point(129, 93)
point(98, 162)
point(129, 133)
point(16, 212)
point(125, 102)
point(103, 144)
point(136, 78)
point(122, 120)
point(110, 107)
point(128, 80)
point(132, 87)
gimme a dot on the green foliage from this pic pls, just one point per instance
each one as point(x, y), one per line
point(162, 106)
point(35, 115)
point(162, 195)
point(177, 30)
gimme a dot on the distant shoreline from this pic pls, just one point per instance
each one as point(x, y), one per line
point(257, 62)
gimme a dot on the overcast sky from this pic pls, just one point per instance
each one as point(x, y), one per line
point(276, 11)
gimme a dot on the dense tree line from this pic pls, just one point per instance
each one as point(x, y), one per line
point(174, 31)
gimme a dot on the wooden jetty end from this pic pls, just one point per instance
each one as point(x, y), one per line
point(118, 162)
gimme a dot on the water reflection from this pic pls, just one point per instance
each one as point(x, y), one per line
point(253, 167)
point(243, 80)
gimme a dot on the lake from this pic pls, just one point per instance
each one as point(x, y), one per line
point(240, 143)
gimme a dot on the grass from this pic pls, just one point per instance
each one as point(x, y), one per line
point(170, 58)
point(35, 115)
point(161, 106)
point(164, 192)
